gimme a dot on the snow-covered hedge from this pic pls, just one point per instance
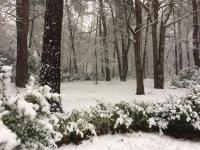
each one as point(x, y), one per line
point(187, 77)
point(25, 118)
point(177, 116)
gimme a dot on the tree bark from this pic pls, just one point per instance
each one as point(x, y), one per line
point(51, 54)
point(195, 34)
point(22, 13)
point(137, 47)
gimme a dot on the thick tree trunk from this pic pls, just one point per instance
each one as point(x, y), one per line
point(137, 47)
point(195, 34)
point(105, 42)
point(51, 54)
point(22, 12)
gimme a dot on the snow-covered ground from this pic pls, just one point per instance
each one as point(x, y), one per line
point(135, 141)
point(83, 94)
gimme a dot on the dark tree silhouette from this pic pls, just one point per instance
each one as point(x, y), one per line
point(22, 12)
point(51, 54)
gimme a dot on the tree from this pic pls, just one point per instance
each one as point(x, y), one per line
point(71, 35)
point(51, 54)
point(22, 22)
point(137, 47)
point(158, 43)
point(104, 39)
point(195, 34)
point(121, 22)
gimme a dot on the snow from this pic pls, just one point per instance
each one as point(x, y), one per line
point(135, 141)
point(83, 94)
point(7, 139)
point(25, 108)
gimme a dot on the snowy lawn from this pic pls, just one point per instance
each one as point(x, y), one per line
point(136, 141)
point(83, 94)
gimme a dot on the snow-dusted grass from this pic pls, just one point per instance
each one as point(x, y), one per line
point(83, 94)
point(135, 141)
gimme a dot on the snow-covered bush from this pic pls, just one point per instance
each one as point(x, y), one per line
point(75, 127)
point(178, 115)
point(188, 77)
point(103, 119)
point(25, 117)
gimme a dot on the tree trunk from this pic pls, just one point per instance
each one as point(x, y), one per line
point(51, 54)
point(144, 58)
point(155, 41)
point(187, 49)
point(70, 27)
point(22, 12)
point(137, 47)
point(105, 42)
point(175, 47)
point(96, 57)
point(180, 46)
point(195, 34)
point(159, 48)
point(125, 43)
point(102, 56)
point(32, 26)
point(116, 46)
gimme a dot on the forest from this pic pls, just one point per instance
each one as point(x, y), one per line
point(79, 74)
